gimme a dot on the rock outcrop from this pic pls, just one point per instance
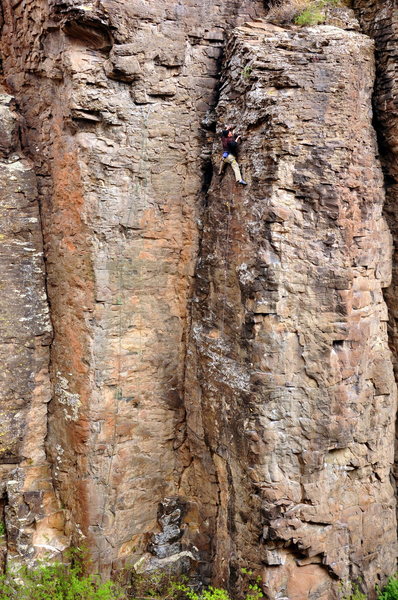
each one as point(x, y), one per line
point(217, 374)
point(30, 515)
point(295, 392)
point(113, 96)
point(380, 21)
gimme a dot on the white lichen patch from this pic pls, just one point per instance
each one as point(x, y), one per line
point(79, 532)
point(18, 165)
point(245, 275)
point(67, 398)
point(225, 369)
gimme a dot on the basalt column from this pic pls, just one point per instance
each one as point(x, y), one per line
point(30, 515)
point(115, 97)
point(291, 396)
point(379, 19)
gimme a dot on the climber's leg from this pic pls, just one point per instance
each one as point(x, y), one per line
point(222, 165)
point(231, 160)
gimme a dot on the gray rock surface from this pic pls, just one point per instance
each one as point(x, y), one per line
point(29, 511)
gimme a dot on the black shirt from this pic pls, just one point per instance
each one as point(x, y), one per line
point(232, 147)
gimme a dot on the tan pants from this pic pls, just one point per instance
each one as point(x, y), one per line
point(231, 160)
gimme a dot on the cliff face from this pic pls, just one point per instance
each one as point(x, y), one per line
point(219, 381)
point(295, 387)
point(379, 20)
point(113, 95)
point(28, 503)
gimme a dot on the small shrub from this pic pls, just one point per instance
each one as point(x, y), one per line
point(156, 584)
point(304, 13)
point(351, 591)
point(56, 582)
point(252, 585)
point(247, 71)
point(310, 16)
point(390, 590)
point(252, 590)
point(212, 593)
point(286, 12)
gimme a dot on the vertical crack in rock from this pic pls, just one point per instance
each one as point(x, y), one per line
point(30, 512)
point(291, 404)
point(114, 96)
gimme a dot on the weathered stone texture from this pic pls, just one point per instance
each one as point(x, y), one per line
point(257, 430)
point(291, 395)
point(29, 510)
point(114, 94)
point(380, 20)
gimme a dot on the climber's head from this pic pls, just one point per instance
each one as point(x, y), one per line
point(228, 131)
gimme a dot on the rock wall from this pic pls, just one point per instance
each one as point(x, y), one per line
point(380, 21)
point(295, 393)
point(220, 380)
point(113, 95)
point(30, 515)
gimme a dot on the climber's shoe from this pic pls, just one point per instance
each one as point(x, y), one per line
point(242, 182)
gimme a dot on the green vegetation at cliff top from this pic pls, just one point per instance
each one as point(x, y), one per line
point(304, 13)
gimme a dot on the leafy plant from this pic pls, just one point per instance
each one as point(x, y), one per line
point(252, 585)
point(56, 582)
point(390, 590)
point(247, 71)
point(351, 591)
point(210, 593)
point(310, 16)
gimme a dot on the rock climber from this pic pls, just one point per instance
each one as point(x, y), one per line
point(230, 143)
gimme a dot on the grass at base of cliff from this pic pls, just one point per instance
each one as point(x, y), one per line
point(59, 581)
point(56, 582)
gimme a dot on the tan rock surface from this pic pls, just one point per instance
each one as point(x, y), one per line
point(113, 94)
point(294, 385)
point(259, 434)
